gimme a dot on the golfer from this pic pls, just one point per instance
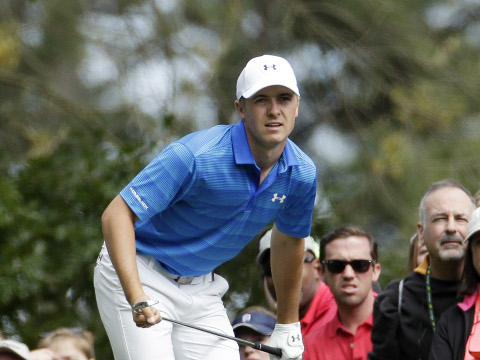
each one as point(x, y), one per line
point(194, 207)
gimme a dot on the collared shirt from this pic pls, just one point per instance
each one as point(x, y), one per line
point(334, 342)
point(322, 310)
point(199, 201)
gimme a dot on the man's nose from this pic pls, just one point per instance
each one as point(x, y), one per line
point(273, 107)
point(451, 225)
point(348, 272)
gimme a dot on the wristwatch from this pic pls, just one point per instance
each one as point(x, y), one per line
point(137, 307)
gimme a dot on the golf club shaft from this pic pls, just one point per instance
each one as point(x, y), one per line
point(261, 347)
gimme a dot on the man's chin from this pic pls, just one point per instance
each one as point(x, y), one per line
point(451, 255)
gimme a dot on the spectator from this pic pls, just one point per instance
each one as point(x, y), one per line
point(417, 253)
point(65, 344)
point(350, 267)
point(456, 323)
point(406, 313)
point(254, 324)
point(13, 350)
point(316, 305)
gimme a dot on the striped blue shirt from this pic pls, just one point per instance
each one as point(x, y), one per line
point(199, 202)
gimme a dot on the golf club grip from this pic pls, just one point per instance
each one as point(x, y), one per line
point(269, 349)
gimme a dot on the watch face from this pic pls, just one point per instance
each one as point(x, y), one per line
point(137, 308)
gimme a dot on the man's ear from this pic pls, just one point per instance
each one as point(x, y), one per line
point(240, 109)
point(421, 241)
point(322, 271)
point(298, 106)
point(317, 266)
point(377, 269)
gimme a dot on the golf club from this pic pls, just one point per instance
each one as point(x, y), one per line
point(258, 346)
point(268, 349)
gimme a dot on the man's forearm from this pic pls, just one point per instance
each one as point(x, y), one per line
point(118, 229)
point(286, 261)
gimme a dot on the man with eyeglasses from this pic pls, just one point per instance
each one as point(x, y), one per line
point(316, 306)
point(349, 257)
point(406, 313)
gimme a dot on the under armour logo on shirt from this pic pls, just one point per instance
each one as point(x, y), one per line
point(280, 199)
point(266, 67)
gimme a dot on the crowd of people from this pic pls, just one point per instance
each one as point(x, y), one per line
point(59, 344)
point(399, 322)
point(208, 194)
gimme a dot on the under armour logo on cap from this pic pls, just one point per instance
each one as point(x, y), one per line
point(266, 67)
point(246, 318)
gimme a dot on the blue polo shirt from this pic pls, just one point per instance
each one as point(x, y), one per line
point(199, 202)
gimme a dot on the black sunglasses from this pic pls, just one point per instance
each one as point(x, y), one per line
point(337, 266)
point(267, 270)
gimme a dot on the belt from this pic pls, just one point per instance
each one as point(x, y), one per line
point(187, 280)
point(182, 280)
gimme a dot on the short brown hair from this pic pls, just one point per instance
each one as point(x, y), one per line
point(344, 232)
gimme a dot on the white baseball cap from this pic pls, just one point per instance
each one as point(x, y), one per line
point(264, 245)
point(15, 347)
point(264, 71)
point(473, 224)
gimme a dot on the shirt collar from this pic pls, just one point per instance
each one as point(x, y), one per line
point(319, 305)
point(243, 154)
point(335, 326)
point(469, 300)
point(422, 268)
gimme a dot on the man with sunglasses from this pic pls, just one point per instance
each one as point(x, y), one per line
point(316, 306)
point(407, 312)
point(348, 256)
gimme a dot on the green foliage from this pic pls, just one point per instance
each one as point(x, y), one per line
point(52, 235)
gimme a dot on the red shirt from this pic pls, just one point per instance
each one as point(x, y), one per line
point(333, 341)
point(322, 309)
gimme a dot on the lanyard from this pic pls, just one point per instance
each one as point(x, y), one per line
point(431, 314)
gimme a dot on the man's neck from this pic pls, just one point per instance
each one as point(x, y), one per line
point(266, 160)
point(446, 270)
point(352, 317)
point(265, 157)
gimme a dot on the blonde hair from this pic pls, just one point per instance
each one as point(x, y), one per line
point(83, 340)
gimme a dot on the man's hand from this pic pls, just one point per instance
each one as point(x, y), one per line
point(144, 314)
point(287, 337)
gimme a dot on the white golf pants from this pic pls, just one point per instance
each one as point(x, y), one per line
point(199, 303)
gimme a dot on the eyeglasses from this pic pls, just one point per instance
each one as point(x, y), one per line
point(267, 269)
point(337, 266)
